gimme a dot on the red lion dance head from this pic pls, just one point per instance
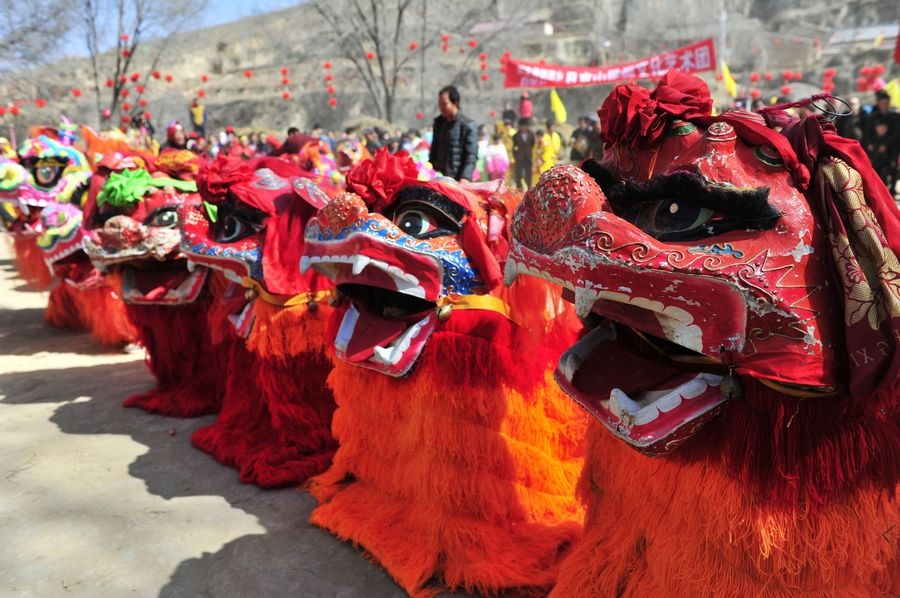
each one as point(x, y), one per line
point(742, 294)
point(457, 454)
point(275, 424)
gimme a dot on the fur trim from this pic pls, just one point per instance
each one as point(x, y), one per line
point(30, 262)
point(180, 354)
point(657, 527)
point(275, 424)
point(451, 476)
point(63, 309)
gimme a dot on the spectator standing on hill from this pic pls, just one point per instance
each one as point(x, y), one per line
point(454, 148)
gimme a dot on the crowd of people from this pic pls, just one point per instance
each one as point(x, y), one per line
point(517, 148)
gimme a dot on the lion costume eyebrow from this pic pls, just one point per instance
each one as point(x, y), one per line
point(748, 208)
point(414, 195)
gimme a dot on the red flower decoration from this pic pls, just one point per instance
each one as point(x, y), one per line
point(40, 102)
point(204, 78)
point(484, 76)
point(248, 73)
point(445, 37)
point(142, 103)
point(370, 55)
point(126, 107)
point(286, 95)
point(285, 81)
point(14, 111)
point(329, 76)
point(135, 76)
point(284, 70)
point(110, 82)
point(377, 180)
point(332, 102)
point(214, 180)
point(419, 115)
point(473, 43)
point(201, 93)
point(156, 74)
point(76, 93)
point(413, 46)
point(632, 115)
point(139, 88)
point(168, 78)
point(147, 115)
point(329, 90)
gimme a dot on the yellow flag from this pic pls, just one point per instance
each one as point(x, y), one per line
point(557, 107)
point(879, 39)
point(730, 85)
point(893, 90)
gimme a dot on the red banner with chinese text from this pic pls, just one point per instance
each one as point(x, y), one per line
point(694, 58)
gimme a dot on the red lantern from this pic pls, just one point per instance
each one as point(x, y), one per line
point(419, 115)
point(124, 37)
point(168, 78)
point(413, 46)
point(156, 75)
point(329, 76)
point(14, 110)
point(484, 77)
point(828, 86)
point(40, 102)
point(126, 119)
point(126, 107)
point(483, 66)
point(76, 93)
point(142, 103)
point(201, 93)
point(755, 94)
point(123, 79)
point(866, 71)
point(718, 76)
point(248, 73)
point(830, 73)
point(126, 53)
point(332, 102)
point(284, 70)
point(110, 82)
point(329, 90)
point(786, 75)
point(482, 57)
point(445, 37)
point(147, 115)
point(754, 77)
point(370, 55)
point(878, 69)
point(768, 76)
point(862, 83)
point(139, 88)
point(135, 76)
point(797, 76)
point(285, 81)
point(124, 93)
point(286, 95)
point(492, 113)
point(2, 111)
point(204, 78)
point(785, 90)
point(473, 43)
point(444, 47)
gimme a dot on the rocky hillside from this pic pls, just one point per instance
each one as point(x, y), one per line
point(760, 35)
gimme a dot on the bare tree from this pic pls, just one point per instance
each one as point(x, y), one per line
point(133, 22)
point(376, 37)
point(30, 35)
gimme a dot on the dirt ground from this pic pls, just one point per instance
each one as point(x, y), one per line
point(101, 501)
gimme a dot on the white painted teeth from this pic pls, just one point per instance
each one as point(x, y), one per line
point(510, 272)
point(645, 407)
point(584, 301)
point(191, 266)
point(359, 264)
point(404, 282)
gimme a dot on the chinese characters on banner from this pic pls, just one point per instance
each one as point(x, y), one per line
point(695, 58)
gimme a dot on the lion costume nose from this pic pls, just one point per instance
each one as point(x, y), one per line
point(344, 210)
point(120, 232)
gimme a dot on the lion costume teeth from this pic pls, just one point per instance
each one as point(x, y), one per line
point(734, 281)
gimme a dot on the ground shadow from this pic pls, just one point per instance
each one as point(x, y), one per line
point(24, 332)
point(292, 557)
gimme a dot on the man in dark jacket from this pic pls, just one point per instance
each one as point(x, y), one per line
point(454, 146)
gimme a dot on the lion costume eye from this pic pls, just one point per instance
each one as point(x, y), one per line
point(233, 228)
point(670, 216)
point(164, 218)
point(415, 223)
point(46, 175)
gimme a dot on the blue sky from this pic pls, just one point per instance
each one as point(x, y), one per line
point(225, 11)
